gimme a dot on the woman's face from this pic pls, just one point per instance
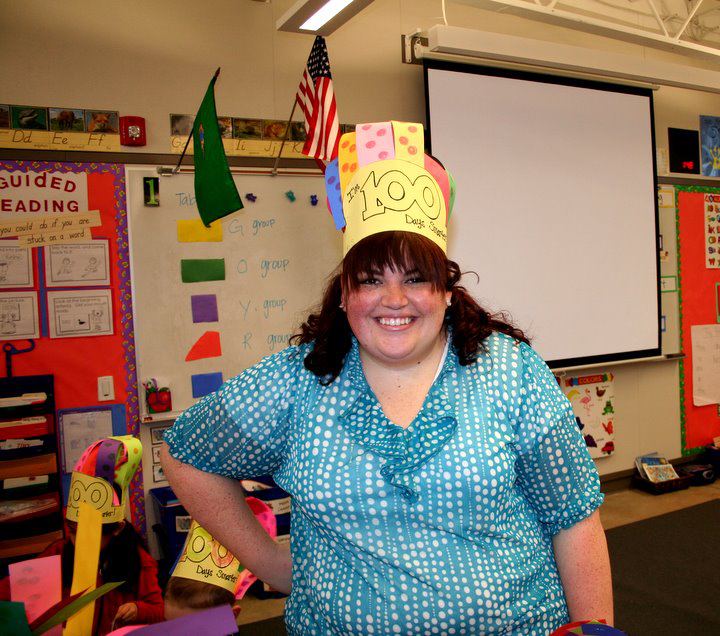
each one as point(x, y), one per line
point(396, 316)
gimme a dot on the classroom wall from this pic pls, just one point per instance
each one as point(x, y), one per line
point(156, 58)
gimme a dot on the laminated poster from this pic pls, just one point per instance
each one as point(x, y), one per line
point(74, 314)
point(81, 429)
point(15, 267)
point(19, 315)
point(592, 398)
point(705, 364)
point(77, 264)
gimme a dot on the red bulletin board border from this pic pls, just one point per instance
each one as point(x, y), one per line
point(698, 290)
point(76, 362)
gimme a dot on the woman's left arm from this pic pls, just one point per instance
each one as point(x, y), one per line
point(582, 558)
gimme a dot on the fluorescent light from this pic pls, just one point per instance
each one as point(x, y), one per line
point(321, 17)
point(327, 13)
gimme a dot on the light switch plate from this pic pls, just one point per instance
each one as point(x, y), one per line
point(106, 388)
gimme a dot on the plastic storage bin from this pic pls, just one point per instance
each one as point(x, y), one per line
point(174, 520)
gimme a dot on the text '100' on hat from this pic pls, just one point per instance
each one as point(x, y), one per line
point(382, 180)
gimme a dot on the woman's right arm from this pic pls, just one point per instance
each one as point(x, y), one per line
point(218, 504)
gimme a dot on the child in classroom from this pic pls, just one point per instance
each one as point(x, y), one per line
point(206, 575)
point(101, 478)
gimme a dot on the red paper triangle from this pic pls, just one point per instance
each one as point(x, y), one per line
point(207, 346)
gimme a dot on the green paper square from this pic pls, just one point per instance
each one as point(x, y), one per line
point(196, 270)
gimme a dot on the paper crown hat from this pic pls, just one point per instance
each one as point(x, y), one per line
point(106, 463)
point(204, 559)
point(382, 180)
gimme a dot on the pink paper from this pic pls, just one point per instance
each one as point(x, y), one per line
point(38, 584)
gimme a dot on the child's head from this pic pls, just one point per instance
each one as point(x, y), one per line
point(185, 596)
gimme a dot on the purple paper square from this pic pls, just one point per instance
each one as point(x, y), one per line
point(204, 308)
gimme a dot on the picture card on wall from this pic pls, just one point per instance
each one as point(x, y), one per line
point(205, 383)
point(76, 314)
point(78, 264)
point(194, 230)
point(19, 315)
point(710, 145)
point(206, 346)
point(196, 270)
point(16, 268)
point(204, 307)
point(78, 430)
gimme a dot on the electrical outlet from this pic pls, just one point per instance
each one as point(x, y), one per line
point(106, 388)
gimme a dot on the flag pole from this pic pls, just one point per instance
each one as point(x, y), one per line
point(282, 145)
point(187, 143)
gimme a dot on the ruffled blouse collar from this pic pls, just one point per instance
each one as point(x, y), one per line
point(405, 450)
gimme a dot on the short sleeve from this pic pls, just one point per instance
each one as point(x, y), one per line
point(240, 431)
point(554, 468)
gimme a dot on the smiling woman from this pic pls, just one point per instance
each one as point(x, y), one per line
point(439, 481)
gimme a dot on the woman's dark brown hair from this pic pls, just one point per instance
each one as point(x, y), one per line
point(329, 329)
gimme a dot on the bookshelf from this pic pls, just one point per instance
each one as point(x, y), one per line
point(30, 496)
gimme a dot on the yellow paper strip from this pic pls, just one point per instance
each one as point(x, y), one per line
point(347, 159)
point(409, 142)
point(55, 140)
point(247, 147)
point(16, 226)
point(193, 231)
point(76, 235)
point(85, 568)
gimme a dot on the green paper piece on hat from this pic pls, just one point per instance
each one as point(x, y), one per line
point(13, 619)
point(74, 607)
point(453, 189)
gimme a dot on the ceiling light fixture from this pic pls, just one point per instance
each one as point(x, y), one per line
point(319, 17)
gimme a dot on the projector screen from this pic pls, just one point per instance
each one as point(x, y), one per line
point(556, 207)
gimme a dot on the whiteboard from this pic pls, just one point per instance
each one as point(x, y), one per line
point(556, 206)
point(278, 255)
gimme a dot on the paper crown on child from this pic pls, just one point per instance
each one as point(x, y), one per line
point(204, 559)
point(382, 180)
point(102, 475)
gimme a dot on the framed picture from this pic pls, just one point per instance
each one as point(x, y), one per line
point(19, 315)
point(73, 314)
point(226, 127)
point(29, 117)
point(156, 454)
point(78, 264)
point(247, 128)
point(297, 131)
point(274, 129)
point(67, 119)
point(181, 125)
point(4, 116)
point(102, 121)
point(156, 434)
point(16, 268)
point(158, 473)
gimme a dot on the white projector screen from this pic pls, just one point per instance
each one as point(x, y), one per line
point(556, 208)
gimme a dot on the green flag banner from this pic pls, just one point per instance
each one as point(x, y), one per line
point(215, 191)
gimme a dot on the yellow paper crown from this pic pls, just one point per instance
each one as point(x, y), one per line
point(382, 180)
point(109, 461)
point(204, 559)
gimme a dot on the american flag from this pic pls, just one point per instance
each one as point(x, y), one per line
point(317, 101)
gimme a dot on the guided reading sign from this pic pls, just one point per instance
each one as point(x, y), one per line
point(44, 192)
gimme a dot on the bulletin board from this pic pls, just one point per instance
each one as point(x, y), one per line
point(270, 262)
point(699, 275)
point(95, 271)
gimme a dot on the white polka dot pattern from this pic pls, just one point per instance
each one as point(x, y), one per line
point(441, 528)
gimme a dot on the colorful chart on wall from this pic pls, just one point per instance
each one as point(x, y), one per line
point(73, 293)
point(698, 222)
point(209, 304)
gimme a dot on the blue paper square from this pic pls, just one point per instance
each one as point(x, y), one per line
point(205, 383)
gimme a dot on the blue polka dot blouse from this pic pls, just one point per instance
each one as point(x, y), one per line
point(442, 528)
